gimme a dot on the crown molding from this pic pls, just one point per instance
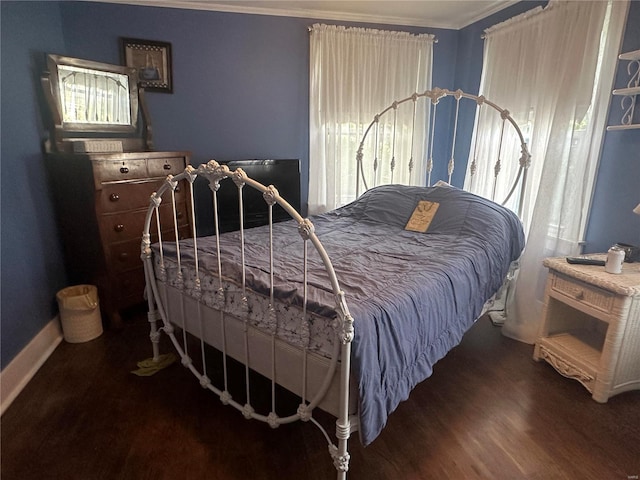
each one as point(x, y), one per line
point(317, 13)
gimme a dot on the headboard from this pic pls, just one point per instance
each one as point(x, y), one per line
point(380, 139)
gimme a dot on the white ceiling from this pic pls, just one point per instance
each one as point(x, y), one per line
point(452, 14)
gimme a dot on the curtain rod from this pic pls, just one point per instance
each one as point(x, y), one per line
point(435, 39)
point(518, 18)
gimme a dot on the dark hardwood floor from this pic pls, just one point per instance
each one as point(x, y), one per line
point(488, 412)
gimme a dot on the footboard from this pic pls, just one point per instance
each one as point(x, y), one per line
point(227, 291)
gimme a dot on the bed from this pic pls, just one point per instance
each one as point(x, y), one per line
point(349, 310)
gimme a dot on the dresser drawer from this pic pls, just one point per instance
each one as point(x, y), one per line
point(119, 197)
point(583, 293)
point(116, 170)
point(126, 255)
point(161, 167)
point(117, 227)
point(130, 287)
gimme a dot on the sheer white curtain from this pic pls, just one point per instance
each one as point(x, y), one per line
point(355, 73)
point(553, 68)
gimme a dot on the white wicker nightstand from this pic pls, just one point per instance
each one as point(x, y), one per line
point(591, 326)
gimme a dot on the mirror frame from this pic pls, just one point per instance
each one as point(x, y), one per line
point(53, 94)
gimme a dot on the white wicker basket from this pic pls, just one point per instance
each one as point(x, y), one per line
point(79, 313)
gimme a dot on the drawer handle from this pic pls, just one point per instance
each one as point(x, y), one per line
point(114, 197)
point(119, 227)
point(123, 256)
point(124, 170)
point(179, 214)
point(167, 166)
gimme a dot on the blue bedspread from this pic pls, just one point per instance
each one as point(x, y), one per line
point(412, 295)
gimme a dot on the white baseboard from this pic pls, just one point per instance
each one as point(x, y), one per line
point(24, 366)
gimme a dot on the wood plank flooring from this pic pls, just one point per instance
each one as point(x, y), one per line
point(488, 412)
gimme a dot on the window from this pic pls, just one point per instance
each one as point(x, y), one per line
point(356, 72)
point(558, 64)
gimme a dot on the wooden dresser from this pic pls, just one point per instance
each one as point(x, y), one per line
point(101, 201)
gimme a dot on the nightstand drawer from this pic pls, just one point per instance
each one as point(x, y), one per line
point(583, 293)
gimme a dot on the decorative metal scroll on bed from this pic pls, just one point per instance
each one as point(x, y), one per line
point(271, 298)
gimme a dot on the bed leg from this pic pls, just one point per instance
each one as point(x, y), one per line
point(154, 334)
point(152, 309)
point(340, 454)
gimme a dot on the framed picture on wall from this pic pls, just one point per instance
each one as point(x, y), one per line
point(152, 59)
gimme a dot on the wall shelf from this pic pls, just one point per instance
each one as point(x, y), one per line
point(629, 94)
point(633, 126)
point(635, 55)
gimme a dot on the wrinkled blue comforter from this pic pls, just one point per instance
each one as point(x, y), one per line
point(412, 295)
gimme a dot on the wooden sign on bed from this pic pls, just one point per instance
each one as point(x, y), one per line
point(422, 216)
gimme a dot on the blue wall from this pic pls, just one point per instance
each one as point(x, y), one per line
point(32, 268)
point(240, 91)
point(617, 189)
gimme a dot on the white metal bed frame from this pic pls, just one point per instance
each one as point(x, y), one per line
point(314, 378)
